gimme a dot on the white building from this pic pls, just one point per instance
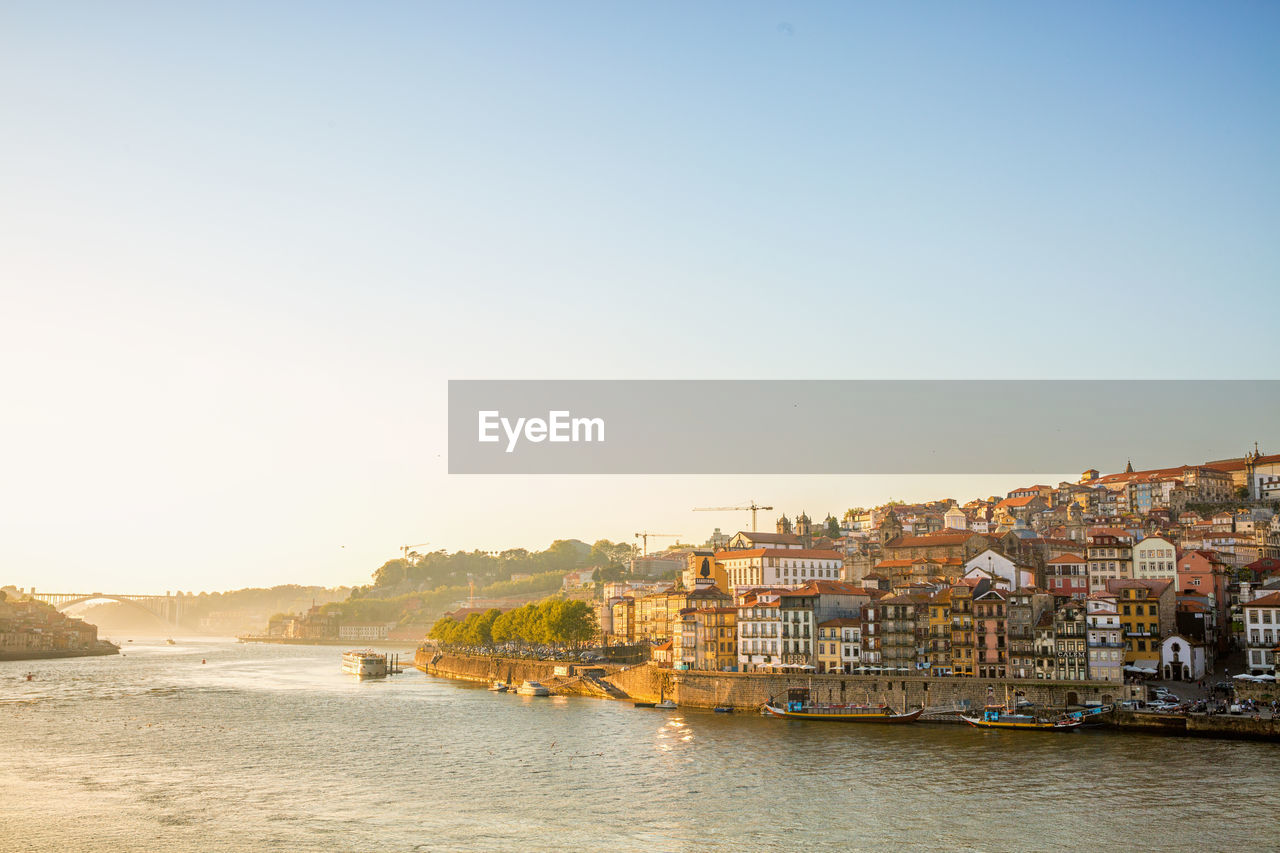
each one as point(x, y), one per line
point(1262, 633)
point(759, 631)
point(992, 564)
point(779, 567)
point(1181, 659)
point(1154, 558)
point(1105, 638)
point(371, 631)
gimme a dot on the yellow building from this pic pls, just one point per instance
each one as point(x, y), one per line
point(715, 638)
point(940, 634)
point(704, 570)
point(962, 629)
point(624, 622)
point(1146, 617)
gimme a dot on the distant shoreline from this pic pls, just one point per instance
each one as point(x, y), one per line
point(54, 654)
point(295, 641)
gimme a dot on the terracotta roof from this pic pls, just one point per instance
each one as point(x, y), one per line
point(1016, 502)
point(840, 622)
point(793, 553)
point(826, 588)
point(1155, 586)
point(1067, 558)
point(931, 539)
point(1238, 464)
point(1272, 600)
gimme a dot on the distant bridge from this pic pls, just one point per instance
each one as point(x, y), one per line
point(167, 607)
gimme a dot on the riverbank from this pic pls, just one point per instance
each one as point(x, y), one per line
point(350, 644)
point(746, 692)
point(102, 648)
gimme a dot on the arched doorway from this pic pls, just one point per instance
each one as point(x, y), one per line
point(1072, 698)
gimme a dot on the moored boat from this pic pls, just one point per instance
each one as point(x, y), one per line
point(533, 688)
point(799, 706)
point(364, 663)
point(1000, 717)
point(498, 687)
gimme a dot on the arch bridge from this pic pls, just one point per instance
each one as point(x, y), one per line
point(168, 607)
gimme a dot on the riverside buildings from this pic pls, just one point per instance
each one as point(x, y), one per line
point(1083, 580)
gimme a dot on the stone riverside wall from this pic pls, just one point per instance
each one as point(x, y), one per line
point(1198, 725)
point(485, 669)
point(750, 690)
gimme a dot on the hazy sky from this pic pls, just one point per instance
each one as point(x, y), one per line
point(244, 245)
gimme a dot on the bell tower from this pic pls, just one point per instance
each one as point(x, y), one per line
point(804, 528)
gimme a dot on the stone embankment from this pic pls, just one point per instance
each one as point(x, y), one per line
point(748, 691)
point(102, 648)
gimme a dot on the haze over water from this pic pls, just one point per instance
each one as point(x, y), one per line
point(273, 748)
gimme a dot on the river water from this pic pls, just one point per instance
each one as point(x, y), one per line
point(273, 748)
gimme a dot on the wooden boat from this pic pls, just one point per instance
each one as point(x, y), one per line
point(1000, 717)
point(799, 707)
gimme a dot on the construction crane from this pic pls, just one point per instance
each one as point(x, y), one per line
point(404, 549)
point(644, 539)
point(753, 506)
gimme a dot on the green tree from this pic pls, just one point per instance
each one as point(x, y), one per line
point(833, 527)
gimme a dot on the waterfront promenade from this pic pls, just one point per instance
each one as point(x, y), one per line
point(746, 692)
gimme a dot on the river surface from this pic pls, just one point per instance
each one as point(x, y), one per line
point(272, 748)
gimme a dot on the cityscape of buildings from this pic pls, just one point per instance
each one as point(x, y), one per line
point(28, 627)
point(1155, 573)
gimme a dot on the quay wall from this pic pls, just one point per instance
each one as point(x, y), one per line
point(54, 654)
point(486, 669)
point(1198, 725)
point(748, 691)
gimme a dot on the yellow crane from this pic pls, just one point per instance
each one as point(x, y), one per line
point(753, 506)
point(644, 539)
point(404, 549)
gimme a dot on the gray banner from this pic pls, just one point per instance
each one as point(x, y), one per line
point(851, 427)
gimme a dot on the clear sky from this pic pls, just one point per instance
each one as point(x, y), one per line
point(243, 246)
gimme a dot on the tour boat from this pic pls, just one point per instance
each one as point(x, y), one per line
point(364, 663)
point(1000, 717)
point(800, 707)
point(533, 688)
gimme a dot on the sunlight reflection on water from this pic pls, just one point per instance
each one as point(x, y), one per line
point(270, 747)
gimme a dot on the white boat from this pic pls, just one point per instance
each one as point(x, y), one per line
point(533, 688)
point(498, 687)
point(666, 705)
point(364, 663)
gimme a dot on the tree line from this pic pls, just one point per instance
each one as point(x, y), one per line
point(441, 568)
point(553, 622)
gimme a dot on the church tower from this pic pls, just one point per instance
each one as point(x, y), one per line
point(890, 527)
point(784, 525)
point(804, 529)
